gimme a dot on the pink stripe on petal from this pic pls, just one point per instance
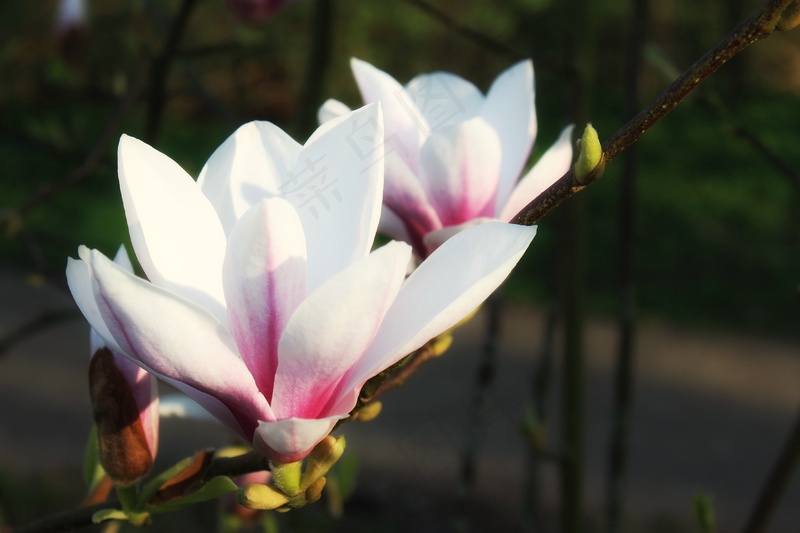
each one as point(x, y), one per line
point(264, 280)
point(332, 328)
point(460, 171)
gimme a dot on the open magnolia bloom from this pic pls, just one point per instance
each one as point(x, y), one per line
point(453, 155)
point(264, 302)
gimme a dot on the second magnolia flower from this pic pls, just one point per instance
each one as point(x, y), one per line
point(454, 156)
point(264, 302)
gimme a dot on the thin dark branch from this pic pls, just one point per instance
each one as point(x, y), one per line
point(484, 379)
point(778, 480)
point(160, 69)
point(319, 56)
point(95, 156)
point(489, 43)
point(753, 29)
point(624, 386)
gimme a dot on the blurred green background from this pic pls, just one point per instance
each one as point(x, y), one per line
point(716, 224)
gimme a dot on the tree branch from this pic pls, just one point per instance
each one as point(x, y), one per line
point(760, 25)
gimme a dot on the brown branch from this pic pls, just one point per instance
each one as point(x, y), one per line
point(753, 29)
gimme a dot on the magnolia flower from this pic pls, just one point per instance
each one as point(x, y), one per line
point(256, 10)
point(125, 407)
point(453, 155)
point(264, 302)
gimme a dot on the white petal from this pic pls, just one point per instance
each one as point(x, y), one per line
point(435, 239)
point(79, 280)
point(460, 171)
point(330, 110)
point(250, 165)
point(553, 164)
point(265, 280)
point(509, 108)
point(332, 328)
point(174, 229)
point(174, 338)
point(444, 288)
point(443, 99)
point(406, 127)
point(336, 187)
point(292, 438)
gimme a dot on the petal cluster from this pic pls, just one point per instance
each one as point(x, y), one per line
point(263, 299)
point(454, 155)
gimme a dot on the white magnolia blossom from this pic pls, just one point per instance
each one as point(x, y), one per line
point(264, 301)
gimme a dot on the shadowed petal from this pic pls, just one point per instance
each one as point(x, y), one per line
point(253, 163)
point(174, 229)
point(330, 110)
point(332, 328)
point(289, 440)
point(553, 164)
point(510, 110)
point(265, 280)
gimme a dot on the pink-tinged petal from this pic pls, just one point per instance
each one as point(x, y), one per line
point(174, 229)
point(332, 328)
point(460, 169)
point(175, 339)
point(252, 164)
point(509, 108)
point(330, 110)
point(444, 288)
point(553, 164)
point(336, 187)
point(436, 238)
point(443, 99)
point(265, 280)
point(404, 195)
point(290, 440)
point(406, 127)
point(144, 388)
point(79, 280)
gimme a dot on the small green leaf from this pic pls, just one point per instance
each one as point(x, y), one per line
point(212, 490)
point(92, 469)
point(109, 514)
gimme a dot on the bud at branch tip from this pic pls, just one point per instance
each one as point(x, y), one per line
point(590, 154)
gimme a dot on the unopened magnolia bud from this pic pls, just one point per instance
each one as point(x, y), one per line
point(314, 491)
point(590, 155)
point(123, 447)
point(261, 497)
point(321, 459)
point(790, 17)
point(286, 477)
point(369, 412)
point(441, 344)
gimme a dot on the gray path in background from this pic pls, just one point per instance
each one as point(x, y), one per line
point(712, 412)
